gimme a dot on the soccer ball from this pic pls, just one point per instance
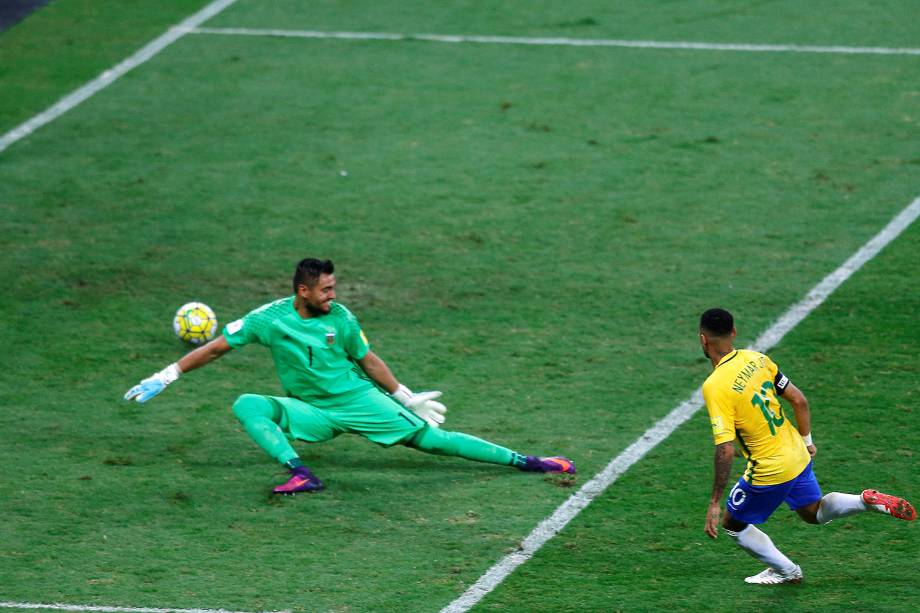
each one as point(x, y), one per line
point(195, 323)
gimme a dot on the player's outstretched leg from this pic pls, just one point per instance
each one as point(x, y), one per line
point(836, 505)
point(458, 444)
point(261, 419)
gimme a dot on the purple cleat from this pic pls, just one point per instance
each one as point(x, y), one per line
point(302, 480)
point(554, 464)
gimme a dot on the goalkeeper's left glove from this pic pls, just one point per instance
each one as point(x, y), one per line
point(422, 404)
point(154, 384)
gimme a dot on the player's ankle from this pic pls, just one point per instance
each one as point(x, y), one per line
point(519, 461)
point(296, 466)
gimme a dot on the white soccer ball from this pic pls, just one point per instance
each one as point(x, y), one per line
point(195, 323)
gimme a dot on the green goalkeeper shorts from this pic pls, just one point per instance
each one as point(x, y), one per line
point(370, 413)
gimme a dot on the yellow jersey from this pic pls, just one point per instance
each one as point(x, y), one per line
point(741, 396)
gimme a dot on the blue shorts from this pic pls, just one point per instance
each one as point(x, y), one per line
point(754, 504)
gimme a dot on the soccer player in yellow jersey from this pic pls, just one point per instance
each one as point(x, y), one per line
point(742, 396)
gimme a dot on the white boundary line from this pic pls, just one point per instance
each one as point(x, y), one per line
point(113, 74)
point(79, 607)
point(570, 42)
point(567, 511)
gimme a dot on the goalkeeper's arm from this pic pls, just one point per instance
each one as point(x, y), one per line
point(156, 383)
point(379, 372)
point(204, 354)
point(422, 404)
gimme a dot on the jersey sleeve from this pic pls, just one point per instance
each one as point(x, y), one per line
point(780, 381)
point(246, 330)
point(721, 415)
point(356, 343)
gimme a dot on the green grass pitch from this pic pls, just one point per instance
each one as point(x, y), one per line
point(532, 230)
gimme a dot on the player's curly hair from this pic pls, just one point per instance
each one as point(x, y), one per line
point(308, 271)
point(718, 322)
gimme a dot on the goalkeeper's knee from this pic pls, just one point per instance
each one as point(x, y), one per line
point(249, 406)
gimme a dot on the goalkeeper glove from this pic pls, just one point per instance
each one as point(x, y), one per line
point(153, 385)
point(422, 404)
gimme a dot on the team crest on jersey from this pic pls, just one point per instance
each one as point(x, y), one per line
point(330, 338)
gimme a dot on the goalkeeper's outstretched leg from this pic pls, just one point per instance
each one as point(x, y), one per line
point(458, 444)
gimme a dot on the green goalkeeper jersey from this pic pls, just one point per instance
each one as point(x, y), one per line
point(315, 358)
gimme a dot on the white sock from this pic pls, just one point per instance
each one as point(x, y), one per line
point(836, 505)
point(759, 545)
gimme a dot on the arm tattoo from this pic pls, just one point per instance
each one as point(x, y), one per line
point(725, 453)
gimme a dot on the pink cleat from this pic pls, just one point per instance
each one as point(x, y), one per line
point(302, 480)
point(886, 503)
point(554, 464)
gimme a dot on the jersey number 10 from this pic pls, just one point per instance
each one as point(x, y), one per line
point(762, 401)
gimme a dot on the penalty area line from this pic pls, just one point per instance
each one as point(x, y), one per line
point(559, 41)
point(80, 607)
point(567, 511)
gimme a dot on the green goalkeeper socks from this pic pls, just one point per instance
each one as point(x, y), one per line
point(441, 442)
point(294, 464)
point(258, 416)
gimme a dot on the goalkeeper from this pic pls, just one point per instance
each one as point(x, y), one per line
point(332, 383)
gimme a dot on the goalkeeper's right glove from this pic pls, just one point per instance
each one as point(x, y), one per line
point(422, 404)
point(154, 384)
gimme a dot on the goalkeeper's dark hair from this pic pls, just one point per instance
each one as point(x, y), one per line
point(308, 271)
point(717, 322)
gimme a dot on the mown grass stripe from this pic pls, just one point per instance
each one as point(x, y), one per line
point(111, 75)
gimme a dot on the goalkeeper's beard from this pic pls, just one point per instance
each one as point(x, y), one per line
point(317, 311)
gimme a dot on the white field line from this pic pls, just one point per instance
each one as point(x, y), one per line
point(549, 527)
point(78, 607)
point(113, 74)
point(570, 42)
